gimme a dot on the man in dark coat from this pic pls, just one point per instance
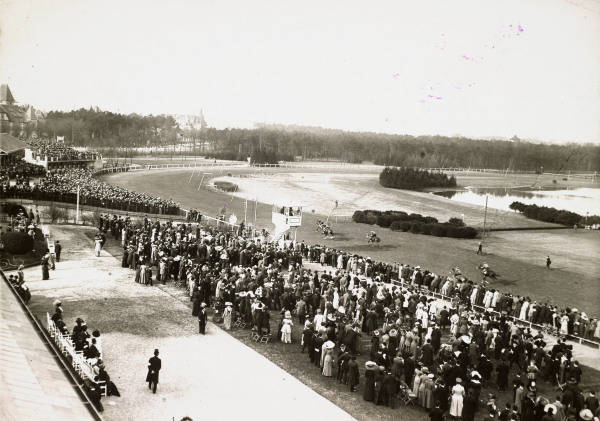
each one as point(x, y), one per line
point(390, 390)
point(202, 319)
point(353, 374)
point(154, 367)
point(502, 375)
point(427, 354)
point(57, 250)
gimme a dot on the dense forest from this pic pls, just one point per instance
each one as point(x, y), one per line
point(97, 128)
point(414, 178)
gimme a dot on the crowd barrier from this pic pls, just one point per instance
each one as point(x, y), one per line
point(82, 367)
point(453, 302)
point(541, 328)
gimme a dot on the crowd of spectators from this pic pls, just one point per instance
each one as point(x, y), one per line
point(18, 170)
point(57, 151)
point(61, 186)
point(437, 354)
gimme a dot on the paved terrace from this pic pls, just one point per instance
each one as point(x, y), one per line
point(202, 376)
point(32, 383)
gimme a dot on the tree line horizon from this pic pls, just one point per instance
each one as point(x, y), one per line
point(273, 143)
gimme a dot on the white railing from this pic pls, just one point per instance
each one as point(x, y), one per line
point(78, 361)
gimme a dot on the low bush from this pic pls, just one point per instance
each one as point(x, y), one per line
point(415, 223)
point(17, 242)
point(226, 186)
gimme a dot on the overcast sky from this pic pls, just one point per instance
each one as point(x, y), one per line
point(476, 68)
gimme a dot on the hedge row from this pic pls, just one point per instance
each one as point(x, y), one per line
point(16, 242)
point(226, 186)
point(415, 223)
point(414, 178)
point(553, 215)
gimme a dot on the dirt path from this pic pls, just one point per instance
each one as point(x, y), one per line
point(203, 376)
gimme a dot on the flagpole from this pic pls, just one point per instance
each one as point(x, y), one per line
point(77, 210)
point(245, 210)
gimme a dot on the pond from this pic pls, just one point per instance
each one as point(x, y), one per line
point(578, 200)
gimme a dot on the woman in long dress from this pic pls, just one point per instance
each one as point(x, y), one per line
point(416, 381)
point(286, 329)
point(564, 324)
point(227, 315)
point(45, 272)
point(369, 390)
point(458, 393)
point(421, 391)
point(428, 397)
point(98, 242)
point(328, 363)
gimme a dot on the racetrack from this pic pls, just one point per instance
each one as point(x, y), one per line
point(518, 256)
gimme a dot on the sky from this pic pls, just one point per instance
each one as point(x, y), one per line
point(480, 68)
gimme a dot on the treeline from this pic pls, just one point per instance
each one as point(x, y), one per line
point(553, 215)
point(96, 128)
point(414, 178)
point(102, 128)
point(415, 223)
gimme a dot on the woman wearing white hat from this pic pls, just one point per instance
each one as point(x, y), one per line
point(328, 359)
point(458, 393)
point(227, 315)
point(286, 329)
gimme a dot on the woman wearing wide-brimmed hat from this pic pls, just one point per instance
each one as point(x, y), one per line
point(369, 391)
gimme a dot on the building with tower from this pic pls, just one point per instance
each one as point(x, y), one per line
point(17, 119)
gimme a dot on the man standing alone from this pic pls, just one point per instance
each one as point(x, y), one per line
point(57, 250)
point(202, 319)
point(153, 369)
point(548, 262)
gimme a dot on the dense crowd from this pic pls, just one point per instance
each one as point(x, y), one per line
point(61, 186)
point(57, 151)
point(18, 170)
point(245, 280)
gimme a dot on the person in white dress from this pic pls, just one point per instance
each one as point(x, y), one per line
point(318, 320)
point(458, 393)
point(98, 247)
point(564, 324)
point(286, 329)
point(454, 324)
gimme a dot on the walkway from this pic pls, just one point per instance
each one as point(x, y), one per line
point(32, 383)
point(202, 376)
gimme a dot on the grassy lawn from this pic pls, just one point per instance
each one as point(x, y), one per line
point(518, 256)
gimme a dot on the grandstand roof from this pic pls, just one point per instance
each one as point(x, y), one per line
point(10, 144)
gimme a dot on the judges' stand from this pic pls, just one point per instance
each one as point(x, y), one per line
point(285, 218)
